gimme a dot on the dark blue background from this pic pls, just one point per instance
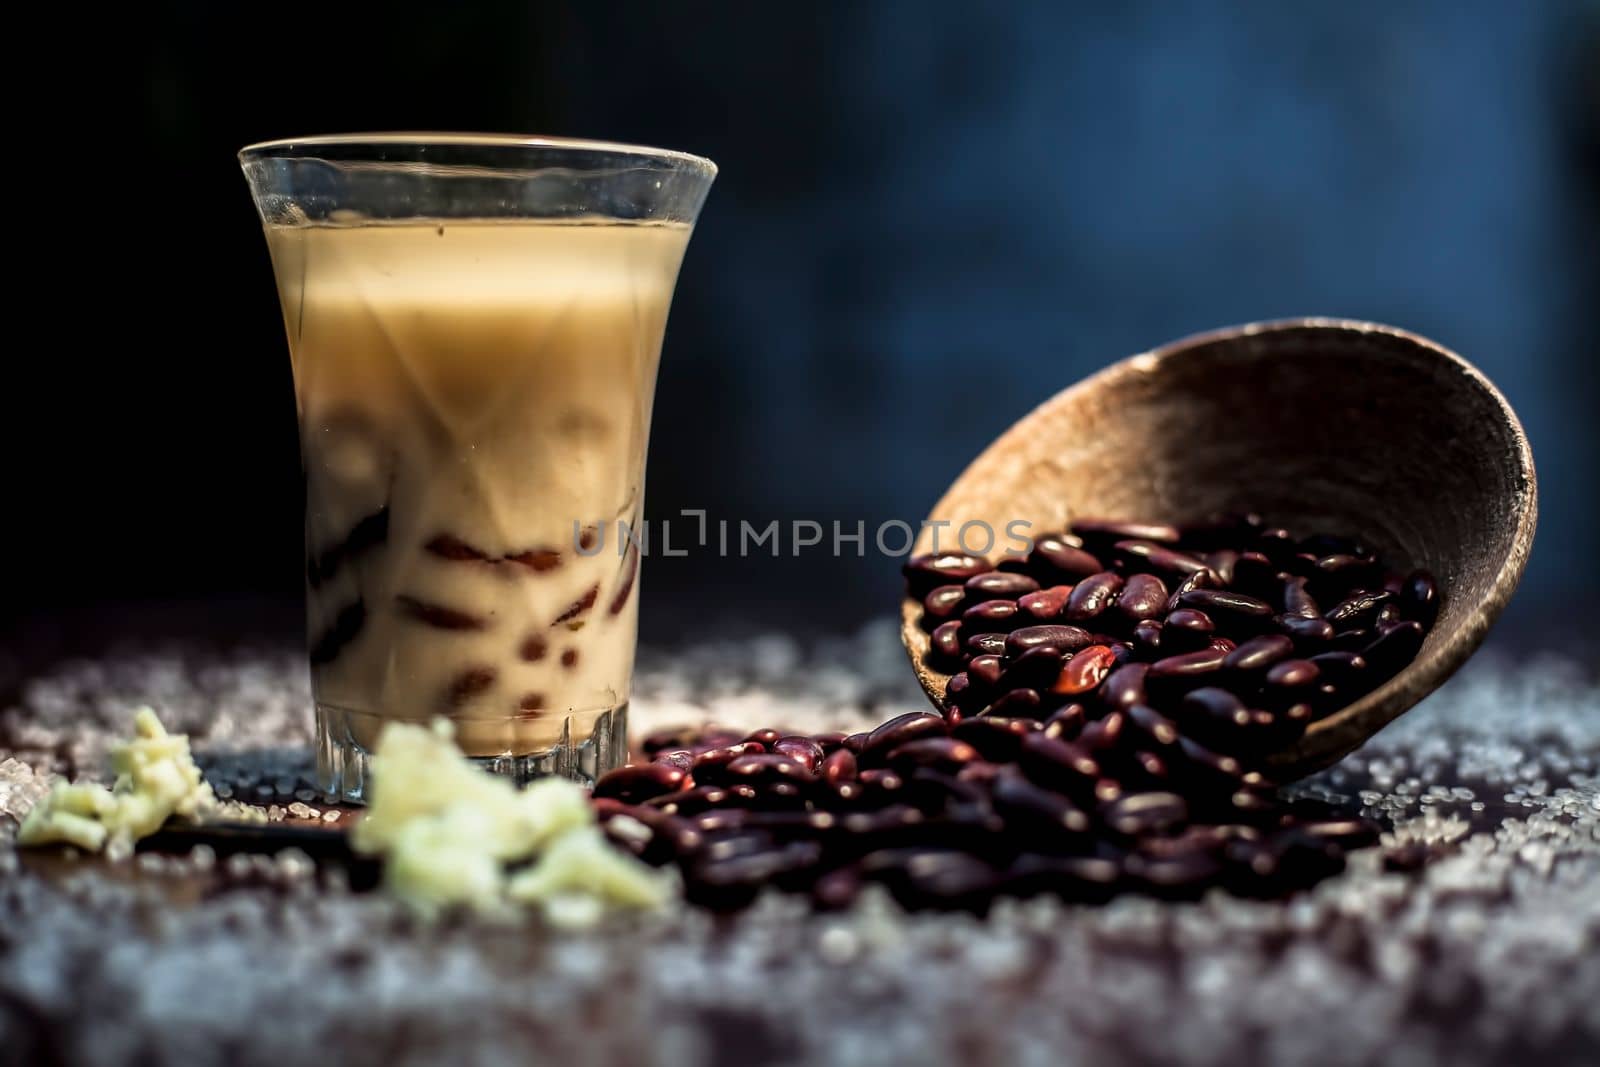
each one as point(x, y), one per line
point(931, 216)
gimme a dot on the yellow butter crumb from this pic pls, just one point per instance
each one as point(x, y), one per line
point(156, 778)
point(447, 831)
point(583, 862)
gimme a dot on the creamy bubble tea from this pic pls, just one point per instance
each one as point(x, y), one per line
point(474, 398)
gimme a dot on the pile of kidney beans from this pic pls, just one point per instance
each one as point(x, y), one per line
point(1112, 700)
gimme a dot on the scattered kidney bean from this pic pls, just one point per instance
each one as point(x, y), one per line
point(1085, 671)
point(1127, 755)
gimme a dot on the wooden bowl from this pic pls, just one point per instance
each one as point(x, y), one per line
point(1318, 424)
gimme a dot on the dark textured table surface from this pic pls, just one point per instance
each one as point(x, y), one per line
point(1471, 936)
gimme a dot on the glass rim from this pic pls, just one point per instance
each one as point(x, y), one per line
point(423, 139)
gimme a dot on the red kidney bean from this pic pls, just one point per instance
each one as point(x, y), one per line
point(1347, 833)
point(1106, 531)
point(1147, 639)
point(1085, 671)
point(1215, 770)
point(998, 585)
point(927, 572)
point(986, 644)
point(1103, 736)
point(782, 796)
point(1151, 766)
point(1045, 605)
point(690, 802)
point(985, 672)
point(1419, 598)
point(1233, 609)
point(1023, 703)
point(1303, 859)
point(1081, 879)
point(943, 603)
point(1216, 706)
point(680, 758)
point(838, 766)
point(1017, 799)
point(726, 845)
point(1124, 687)
point(1091, 596)
point(1352, 640)
point(1203, 579)
point(1250, 660)
point(1184, 877)
point(732, 884)
point(1255, 574)
point(957, 691)
point(641, 781)
point(1221, 563)
point(996, 738)
point(842, 797)
point(767, 769)
point(1059, 765)
point(1168, 562)
point(1224, 645)
point(1186, 630)
point(1063, 639)
point(947, 880)
point(1221, 719)
point(1358, 610)
point(1341, 668)
point(661, 739)
point(1293, 720)
point(1298, 602)
point(711, 768)
point(854, 743)
point(1341, 571)
point(1143, 596)
point(891, 735)
point(1393, 648)
point(1060, 562)
point(803, 750)
point(1065, 723)
point(1139, 814)
point(1291, 677)
point(1155, 731)
point(830, 740)
point(992, 616)
point(1309, 635)
point(671, 835)
point(946, 642)
point(1178, 674)
point(1037, 668)
point(945, 754)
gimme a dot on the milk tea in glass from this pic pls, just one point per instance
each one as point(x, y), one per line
point(475, 325)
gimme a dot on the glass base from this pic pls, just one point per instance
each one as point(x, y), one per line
point(587, 748)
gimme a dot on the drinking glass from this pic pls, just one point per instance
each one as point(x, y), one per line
point(474, 324)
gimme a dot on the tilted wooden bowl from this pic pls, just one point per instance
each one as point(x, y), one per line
point(1319, 425)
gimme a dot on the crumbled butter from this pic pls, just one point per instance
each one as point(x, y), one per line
point(582, 863)
point(156, 779)
point(447, 830)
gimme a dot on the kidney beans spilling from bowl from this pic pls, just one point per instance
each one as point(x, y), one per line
point(1112, 698)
